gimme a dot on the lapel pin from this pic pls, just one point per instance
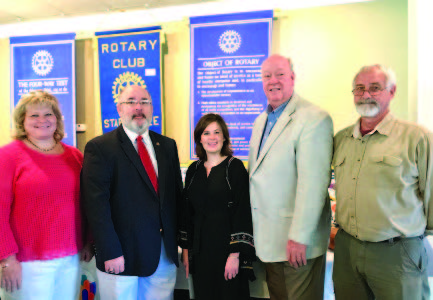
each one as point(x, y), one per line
point(157, 143)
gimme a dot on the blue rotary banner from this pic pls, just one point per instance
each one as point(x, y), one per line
point(129, 57)
point(46, 62)
point(226, 54)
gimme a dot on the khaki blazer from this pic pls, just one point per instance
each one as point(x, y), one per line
point(289, 181)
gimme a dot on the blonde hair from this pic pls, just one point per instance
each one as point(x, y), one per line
point(38, 97)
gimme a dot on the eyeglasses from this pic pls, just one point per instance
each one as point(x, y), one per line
point(373, 90)
point(134, 103)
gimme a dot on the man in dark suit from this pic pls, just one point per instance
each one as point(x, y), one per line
point(130, 186)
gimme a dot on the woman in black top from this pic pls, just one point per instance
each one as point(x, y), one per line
point(216, 228)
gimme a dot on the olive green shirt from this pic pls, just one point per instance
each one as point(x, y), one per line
point(383, 180)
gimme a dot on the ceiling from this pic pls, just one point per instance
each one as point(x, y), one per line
point(13, 11)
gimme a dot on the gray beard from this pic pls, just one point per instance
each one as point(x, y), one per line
point(136, 128)
point(368, 108)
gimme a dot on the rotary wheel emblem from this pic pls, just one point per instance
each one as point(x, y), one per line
point(42, 62)
point(124, 80)
point(229, 41)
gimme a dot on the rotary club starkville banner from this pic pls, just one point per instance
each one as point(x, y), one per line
point(46, 62)
point(129, 57)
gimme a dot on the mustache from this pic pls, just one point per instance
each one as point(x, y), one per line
point(366, 101)
point(138, 115)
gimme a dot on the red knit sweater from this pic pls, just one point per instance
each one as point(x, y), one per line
point(39, 203)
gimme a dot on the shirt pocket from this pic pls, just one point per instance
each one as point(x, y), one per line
point(386, 170)
point(338, 164)
point(392, 161)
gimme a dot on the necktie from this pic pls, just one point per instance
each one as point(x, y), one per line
point(147, 162)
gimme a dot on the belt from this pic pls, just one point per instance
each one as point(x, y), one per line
point(399, 238)
point(391, 240)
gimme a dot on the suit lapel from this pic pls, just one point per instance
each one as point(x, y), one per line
point(256, 137)
point(162, 168)
point(281, 124)
point(132, 154)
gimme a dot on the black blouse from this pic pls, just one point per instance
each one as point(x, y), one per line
point(215, 212)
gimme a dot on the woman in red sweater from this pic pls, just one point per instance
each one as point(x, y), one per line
point(41, 230)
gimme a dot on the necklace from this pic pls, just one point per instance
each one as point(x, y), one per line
point(42, 149)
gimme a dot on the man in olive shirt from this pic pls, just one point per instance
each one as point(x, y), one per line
point(383, 171)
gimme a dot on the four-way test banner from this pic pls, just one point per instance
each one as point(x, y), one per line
point(46, 62)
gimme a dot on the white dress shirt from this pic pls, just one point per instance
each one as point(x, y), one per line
point(147, 142)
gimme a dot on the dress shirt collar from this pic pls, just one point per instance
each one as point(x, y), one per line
point(133, 136)
point(384, 127)
point(279, 109)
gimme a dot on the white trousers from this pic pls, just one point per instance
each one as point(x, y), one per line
point(158, 286)
point(48, 280)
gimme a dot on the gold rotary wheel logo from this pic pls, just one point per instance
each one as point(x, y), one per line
point(123, 81)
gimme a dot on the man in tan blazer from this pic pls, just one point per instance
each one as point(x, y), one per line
point(289, 166)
